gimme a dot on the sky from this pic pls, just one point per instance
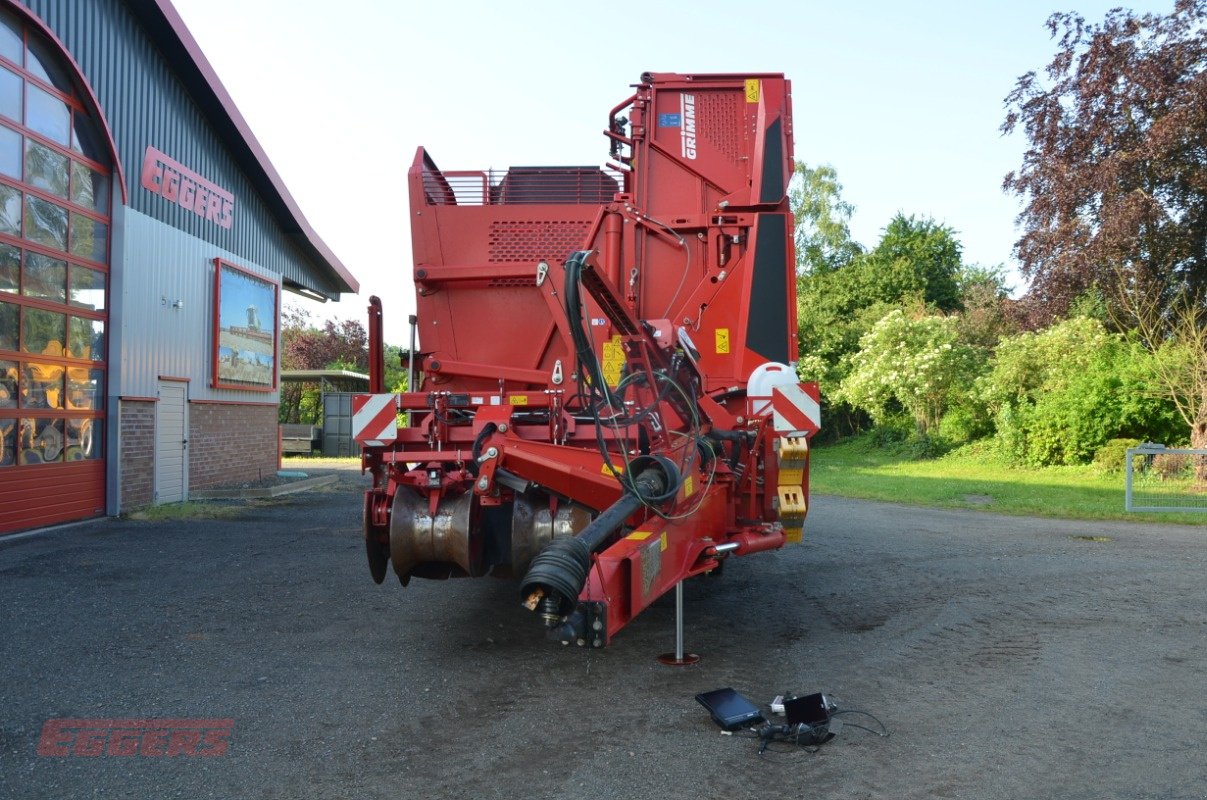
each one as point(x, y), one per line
point(904, 100)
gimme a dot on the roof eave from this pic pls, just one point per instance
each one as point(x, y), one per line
point(239, 135)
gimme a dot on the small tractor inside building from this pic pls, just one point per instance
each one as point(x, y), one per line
point(604, 401)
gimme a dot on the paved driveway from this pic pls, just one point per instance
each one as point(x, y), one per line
point(1010, 658)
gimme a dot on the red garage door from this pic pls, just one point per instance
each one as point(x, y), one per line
point(54, 276)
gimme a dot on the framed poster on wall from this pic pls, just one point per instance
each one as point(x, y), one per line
point(245, 329)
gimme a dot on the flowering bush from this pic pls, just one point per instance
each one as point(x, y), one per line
point(917, 364)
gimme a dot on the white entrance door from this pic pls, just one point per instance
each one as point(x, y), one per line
point(171, 442)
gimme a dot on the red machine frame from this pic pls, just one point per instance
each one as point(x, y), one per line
point(568, 426)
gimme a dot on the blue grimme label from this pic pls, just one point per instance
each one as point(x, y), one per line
point(670, 120)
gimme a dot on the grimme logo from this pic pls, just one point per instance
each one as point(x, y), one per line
point(135, 737)
point(687, 104)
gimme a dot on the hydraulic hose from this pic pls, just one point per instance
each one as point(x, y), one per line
point(558, 573)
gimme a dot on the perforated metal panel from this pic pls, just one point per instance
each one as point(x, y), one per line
point(532, 240)
point(719, 116)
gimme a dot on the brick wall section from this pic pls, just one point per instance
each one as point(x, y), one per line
point(137, 453)
point(230, 444)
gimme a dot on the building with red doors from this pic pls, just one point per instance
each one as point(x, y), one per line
point(145, 241)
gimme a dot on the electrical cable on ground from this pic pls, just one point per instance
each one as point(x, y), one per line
point(804, 735)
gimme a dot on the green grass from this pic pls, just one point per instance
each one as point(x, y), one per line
point(191, 509)
point(318, 462)
point(974, 477)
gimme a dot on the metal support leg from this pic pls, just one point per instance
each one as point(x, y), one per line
point(411, 356)
point(678, 658)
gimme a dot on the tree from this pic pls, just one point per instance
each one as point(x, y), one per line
point(396, 369)
point(915, 265)
point(1176, 338)
point(917, 261)
point(823, 233)
point(1114, 180)
point(916, 256)
point(1062, 393)
point(915, 362)
point(337, 345)
point(987, 314)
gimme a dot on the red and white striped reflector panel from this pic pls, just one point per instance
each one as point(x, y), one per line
point(796, 409)
point(375, 419)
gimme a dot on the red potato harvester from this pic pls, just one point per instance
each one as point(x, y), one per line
point(603, 403)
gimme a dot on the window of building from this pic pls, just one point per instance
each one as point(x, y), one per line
point(10, 268)
point(46, 169)
point(45, 277)
point(10, 94)
point(55, 184)
point(10, 152)
point(11, 43)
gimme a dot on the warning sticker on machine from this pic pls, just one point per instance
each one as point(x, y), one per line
point(722, 336)
point(613, 360)
point(752, 90)
point(651, 566)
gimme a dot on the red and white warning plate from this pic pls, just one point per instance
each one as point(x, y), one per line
point(375, 419)
point(795, 408)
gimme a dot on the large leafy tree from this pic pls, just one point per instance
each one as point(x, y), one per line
point(917, 262)
point(823, 217)
point(1114, 180)
point(916, 257)
point(337, 345)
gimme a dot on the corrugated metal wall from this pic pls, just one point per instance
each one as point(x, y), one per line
point(145, 104)
point(162, 266)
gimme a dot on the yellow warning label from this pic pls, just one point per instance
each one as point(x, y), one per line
point(688, 487)
point(607, 471)
point(518, 399)
point(722, 335)
point(639, 536)
point(662, 543)
point(753, 87)
point(613, 360)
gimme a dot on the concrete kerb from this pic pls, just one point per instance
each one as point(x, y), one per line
point(266, 491)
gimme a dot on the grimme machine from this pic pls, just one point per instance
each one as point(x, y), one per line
point(604, 401)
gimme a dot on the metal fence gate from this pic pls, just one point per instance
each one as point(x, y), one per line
point(1161, 478)
point(337, 425)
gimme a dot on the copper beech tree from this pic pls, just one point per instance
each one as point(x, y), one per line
point(1114, 178)
point(337, 345)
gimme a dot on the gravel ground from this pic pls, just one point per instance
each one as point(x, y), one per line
point(1009, 657)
